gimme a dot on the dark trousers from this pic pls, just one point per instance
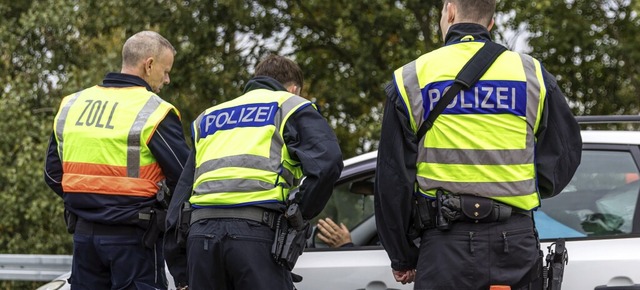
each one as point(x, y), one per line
point(113, 257)
point(233, 254)
point(474, 256)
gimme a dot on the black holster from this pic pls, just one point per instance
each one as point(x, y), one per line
point(291, 237)
point(184, 225)
point(153, 220)
point(70, 219)
point(423, 216)
point(554, 268)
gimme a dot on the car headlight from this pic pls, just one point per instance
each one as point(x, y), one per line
point(53, 285)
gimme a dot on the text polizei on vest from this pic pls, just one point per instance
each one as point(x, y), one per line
point(250, 115)
point(509, 97)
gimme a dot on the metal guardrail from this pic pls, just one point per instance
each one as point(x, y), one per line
point(608, 119)
point(33, 267)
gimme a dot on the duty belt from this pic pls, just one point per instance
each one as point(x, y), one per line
point(476, 209)
point(261, 215)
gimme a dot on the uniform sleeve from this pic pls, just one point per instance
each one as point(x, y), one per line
point(310, 140)
point(559, 144)
point(395, 179)
point(53, 167)
point(170, 148)
point(175, 255)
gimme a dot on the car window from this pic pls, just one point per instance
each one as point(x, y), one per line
point(351, 203)
point(600, 200)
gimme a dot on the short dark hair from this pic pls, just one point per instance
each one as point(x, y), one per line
point(477, 11)
point(281, 69)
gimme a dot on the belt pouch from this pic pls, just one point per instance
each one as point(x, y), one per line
point(476, 208)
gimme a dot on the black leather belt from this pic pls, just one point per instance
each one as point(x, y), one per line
point(85, 227)
point(521, 211)
point(261, 215)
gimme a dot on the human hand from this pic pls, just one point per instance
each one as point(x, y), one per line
point(332, 234)
point(405, 276)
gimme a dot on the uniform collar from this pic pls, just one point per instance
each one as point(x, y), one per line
point(120, 80)
point(467, 32)
point(263, 82)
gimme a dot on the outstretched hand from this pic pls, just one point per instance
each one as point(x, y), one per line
point(332, 234)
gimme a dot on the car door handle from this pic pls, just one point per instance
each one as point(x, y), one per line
point(630, 287)
point(377, 285)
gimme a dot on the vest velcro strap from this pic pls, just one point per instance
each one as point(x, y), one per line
point(261, 215)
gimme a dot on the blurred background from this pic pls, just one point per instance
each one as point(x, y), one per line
point(347, 49)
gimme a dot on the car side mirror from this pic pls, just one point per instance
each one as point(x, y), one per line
point(362, 187)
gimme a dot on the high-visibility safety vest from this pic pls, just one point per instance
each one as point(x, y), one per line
point(241, 158)
point(483, 142)
point(102, 136)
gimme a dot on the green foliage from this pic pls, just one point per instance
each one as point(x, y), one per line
point(591, 46)
point(347, 49)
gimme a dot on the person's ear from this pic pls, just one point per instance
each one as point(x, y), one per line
point(451, 12)
point(294, 89)
point(148, 65)
point(490, 24)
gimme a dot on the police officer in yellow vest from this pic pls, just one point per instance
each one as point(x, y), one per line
point(116, 154)
point(250, 154)
point(496, 146)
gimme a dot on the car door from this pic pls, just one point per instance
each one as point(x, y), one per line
point(597, 215)
point(365, 265)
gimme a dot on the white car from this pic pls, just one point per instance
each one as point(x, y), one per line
point(597, 214)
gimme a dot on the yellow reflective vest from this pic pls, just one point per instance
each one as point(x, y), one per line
point(241, 157)
point(483, 142)
point(102, 136)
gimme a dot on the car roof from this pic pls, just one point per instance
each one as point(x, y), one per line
point(361, 158)
point(611, 137)
point(588, 136)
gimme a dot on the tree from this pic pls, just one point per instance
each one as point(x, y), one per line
point(590, 46)
point(349, 49)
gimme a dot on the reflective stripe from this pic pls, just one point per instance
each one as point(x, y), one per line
point(135, 133)
point(244, 161)
point(533, 92)
point(475, 156)
point(195, 128)
point(490, 189)
point(62, 118)
point(81, 183)
point(412, 87)
point(150, 172)
point(232, 185)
